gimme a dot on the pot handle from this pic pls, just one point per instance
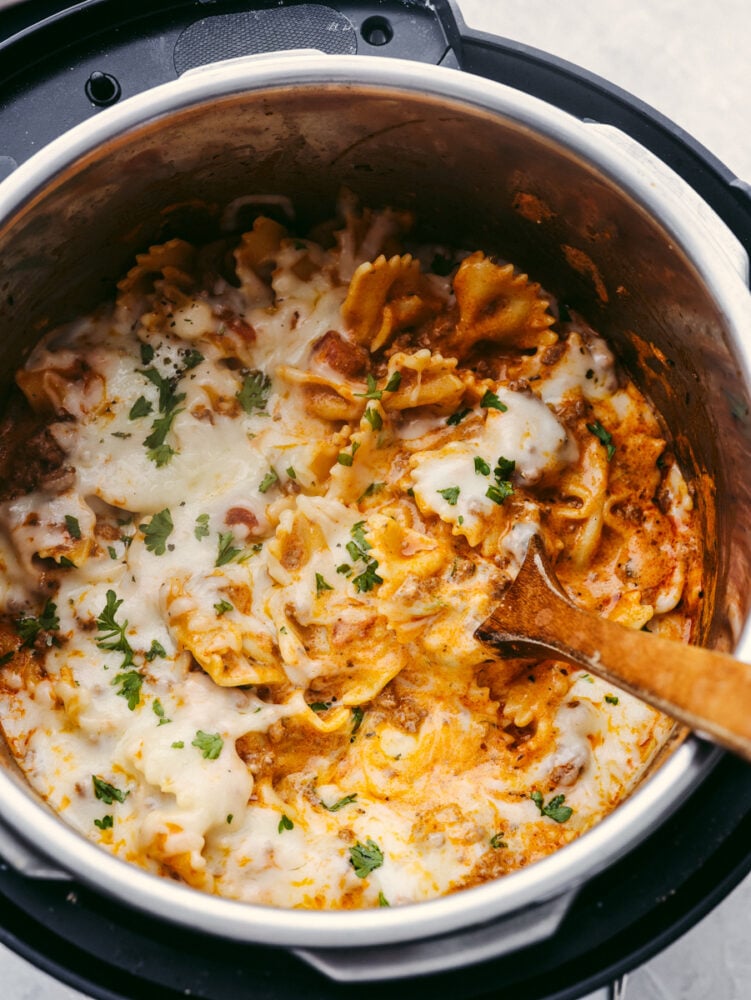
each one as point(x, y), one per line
point(27, 861)
point(439, 954)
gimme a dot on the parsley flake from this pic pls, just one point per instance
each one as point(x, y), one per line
point(497, 841)
point(254, 394)
point(481, 466)
point(268, 481)
point(374, 418)
point(450, 495)
point(141, 408)
point(130, 687)
point(365, 858)
point(29, 627)
point(113, 638)
point(106, 792)
point(555, 809)
point(603, 437)
point(393, 383)
point(382, 901)
point(285, 823)
point(105, 823)
point(357, 717)
point(340, 803)
point(372, 391)
point(222, 607)
point(72, 526)
point(157, 531)
point(226, 550)
point(321, 585)
point(490, 401)
point(368, 579)
point(158, 710)
point(210, 744)
point(456, 418)
point(611, 699)
point(156, 649)
point(201, 529)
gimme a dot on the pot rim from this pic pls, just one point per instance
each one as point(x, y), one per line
point(645, 808)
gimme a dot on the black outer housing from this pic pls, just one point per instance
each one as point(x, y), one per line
point(654, 893)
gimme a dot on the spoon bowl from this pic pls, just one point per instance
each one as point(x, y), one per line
point(707, 690)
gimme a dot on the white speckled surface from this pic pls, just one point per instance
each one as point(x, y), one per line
point(692, 62)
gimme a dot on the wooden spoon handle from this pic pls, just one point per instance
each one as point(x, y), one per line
point(708, 691)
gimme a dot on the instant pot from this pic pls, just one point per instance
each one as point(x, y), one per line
point(102, 108)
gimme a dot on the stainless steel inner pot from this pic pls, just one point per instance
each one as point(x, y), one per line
point(586, 211)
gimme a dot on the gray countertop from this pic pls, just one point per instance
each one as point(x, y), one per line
point(692, 62)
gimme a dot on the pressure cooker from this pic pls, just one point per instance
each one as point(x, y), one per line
point(108, 117)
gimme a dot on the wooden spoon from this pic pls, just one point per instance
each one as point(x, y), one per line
point(708, 691)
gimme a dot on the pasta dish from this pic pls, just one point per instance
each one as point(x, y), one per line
point(251, 515)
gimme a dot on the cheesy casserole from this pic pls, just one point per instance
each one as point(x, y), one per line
point(252, 513)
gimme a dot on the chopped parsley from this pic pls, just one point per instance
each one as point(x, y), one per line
point(340, 803)
point(29, 627)
point(113, 638)
point(503, 487)
point(499, 493)
point(156, 649)
point(368, 579)
point(169, 401)
point(291, 472)
point(210, 744)
point(504, 468)
point(456, 418)
point(345, 569)
point(365, 858)
point(490, 401)
point(191, 359)
point(112, 552)
point(319, 706)
point(72, 526)
point(374, 418)
point(106, 792)
point(603, 437)
point(321, 585)
point(357, 717)
point(158, 710)
point(346, 457)
point(372, 392)
point(105, 823)
point(141, 408)
point(371, 490)
point(481, 466)
point(201, 529)
point(147, 354)
point(497, 841)
point(254, 394)
point(268, 481)
point(285, 823)
point(358, 548)
point(177, 745)
point(555, 809)
point(611, 699)
point(157, 531)
point(226, 550)
point(130, 687)
point(222, 607)
point(450, 495)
